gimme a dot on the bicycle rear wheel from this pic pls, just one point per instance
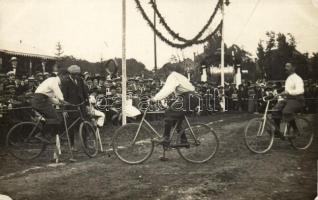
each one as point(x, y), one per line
point(203, 142)
point(305, 136)
point(22, 143)
point(88, 139)
point(256, 140)
point(128, 150)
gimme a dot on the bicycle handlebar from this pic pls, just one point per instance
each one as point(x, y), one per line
point(272, 98)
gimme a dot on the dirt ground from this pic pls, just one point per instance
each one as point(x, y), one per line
point(234, 173)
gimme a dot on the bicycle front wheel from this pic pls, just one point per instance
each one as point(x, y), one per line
point(257, 139)
point(203, 144)
point(22, 143)
point(88, 139)
point(304, 136)
point(132, 146)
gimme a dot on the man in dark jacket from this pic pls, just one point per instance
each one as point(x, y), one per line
point(74, 92)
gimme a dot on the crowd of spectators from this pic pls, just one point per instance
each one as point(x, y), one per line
point(247, 97)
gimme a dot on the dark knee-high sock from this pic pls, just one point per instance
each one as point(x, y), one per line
point(293, 124)
point(168, 126)
point(277, 124)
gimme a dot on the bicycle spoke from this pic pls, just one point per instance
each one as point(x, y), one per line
point(303, 137)
point(257, 138)
point(203, 144)
point(88, 139)
point(129, 150)
point(21, 142)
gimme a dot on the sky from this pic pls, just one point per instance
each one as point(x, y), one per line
point(92, 29)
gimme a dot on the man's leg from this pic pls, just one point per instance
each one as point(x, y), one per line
point(181, 131)
point(168, 126)
point(277, 116)
point(43, 105)
point(100, 117)
point(293, 106)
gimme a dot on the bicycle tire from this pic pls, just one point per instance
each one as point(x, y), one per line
point(306, 130)
point(21, 144)
point(253, 128)
point(137, 152)
point(199, 152)
point(88, 139)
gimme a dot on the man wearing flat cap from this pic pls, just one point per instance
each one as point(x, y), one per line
point(75, 92)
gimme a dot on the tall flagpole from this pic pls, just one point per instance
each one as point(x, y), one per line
point(124, 78)
point(222, 57)
point(155, 39)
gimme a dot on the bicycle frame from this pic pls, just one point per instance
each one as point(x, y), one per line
point(265, 118)
point(143, 120)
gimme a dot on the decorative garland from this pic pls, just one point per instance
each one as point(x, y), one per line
point(167, 41)
point(176, 35)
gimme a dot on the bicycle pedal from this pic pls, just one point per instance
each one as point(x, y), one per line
point(163, 158)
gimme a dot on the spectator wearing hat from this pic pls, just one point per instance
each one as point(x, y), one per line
point(86, 76)
point(11, 77)
point(55, 70)
point(46, 75)
point(14, 64)
point(89, 84)
point(39, 77)
point(95, 82)
point(10, 89)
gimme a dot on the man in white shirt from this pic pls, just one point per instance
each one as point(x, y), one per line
point(47, 93)
point(294, 101)
point(184, 90)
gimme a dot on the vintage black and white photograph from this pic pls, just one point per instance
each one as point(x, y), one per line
point(158, 99)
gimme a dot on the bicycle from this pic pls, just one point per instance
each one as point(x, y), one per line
point(259, 132)
point(133, 143)
point(23, 143)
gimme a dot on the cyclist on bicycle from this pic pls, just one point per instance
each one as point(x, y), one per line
point(184, 91)
point(293, 102)
point(46, 94)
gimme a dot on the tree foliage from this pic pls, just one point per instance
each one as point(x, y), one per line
point(279, 50)
point(134, 68)
point(59, 49)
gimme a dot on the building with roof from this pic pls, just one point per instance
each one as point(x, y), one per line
point(29, 58)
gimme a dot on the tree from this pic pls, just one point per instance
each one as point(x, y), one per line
point(279, 50)
point(59, 49)
point(261, 59)
point(271, 40)
point(314, 66)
